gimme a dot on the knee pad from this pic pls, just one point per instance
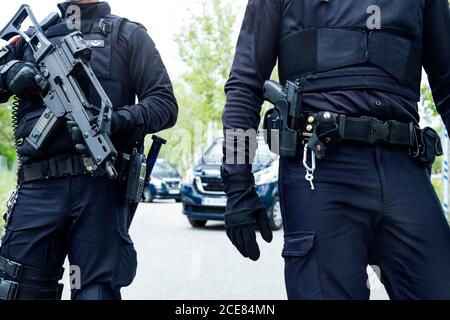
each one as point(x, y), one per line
point(19, 282)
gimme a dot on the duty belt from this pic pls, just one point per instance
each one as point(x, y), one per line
point(323, 129)
point(326, 128)
point(52, 168)
point(66, 166)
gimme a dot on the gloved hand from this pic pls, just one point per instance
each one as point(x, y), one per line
point(25, 80)
point(244, 213)
point(77, 136)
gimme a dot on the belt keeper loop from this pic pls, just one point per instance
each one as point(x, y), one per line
point(389, 126)
point(64, 166)
point(412, 135)
point(53, 169)
point(44, 168)
point(70, 168)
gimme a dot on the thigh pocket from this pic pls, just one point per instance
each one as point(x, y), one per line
point(301, 268)
point(127, 266)
point(122, 217)
point(127, 260)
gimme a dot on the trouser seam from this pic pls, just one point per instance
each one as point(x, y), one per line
point(316, 256)
point(382, 177)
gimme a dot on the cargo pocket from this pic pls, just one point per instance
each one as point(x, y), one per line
point(301, 268)
point(127, 258)
point(127, 266)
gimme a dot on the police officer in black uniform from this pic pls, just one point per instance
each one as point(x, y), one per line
point(357, 65)
point(60, 210)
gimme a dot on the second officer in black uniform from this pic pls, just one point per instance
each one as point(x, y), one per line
point(368, 199)
point(60, 209)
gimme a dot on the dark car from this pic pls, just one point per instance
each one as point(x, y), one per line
point(203, 194)
point(165, 183)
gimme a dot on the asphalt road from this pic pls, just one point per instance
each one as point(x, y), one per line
point(178, 262)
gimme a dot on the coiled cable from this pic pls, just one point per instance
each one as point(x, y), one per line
point(15, 124)
point(17, 143)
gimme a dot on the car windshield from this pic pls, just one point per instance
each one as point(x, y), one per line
point(214, 154)
point(164, 170)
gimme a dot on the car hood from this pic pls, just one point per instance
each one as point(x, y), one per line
point(173, 175)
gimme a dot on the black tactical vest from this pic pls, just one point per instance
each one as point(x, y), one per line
point(353, 44)
point(107, 64)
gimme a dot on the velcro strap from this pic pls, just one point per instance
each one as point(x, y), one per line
point(398, 56)
point(10, 290)
point(324, 49)
point(19, 272)
point(238, 182)
point(53, 168)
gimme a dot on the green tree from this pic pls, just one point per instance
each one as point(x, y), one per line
point(206, 46)
point(427, 107)
point(431, 117)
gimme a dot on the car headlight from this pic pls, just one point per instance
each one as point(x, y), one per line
point(157, 183)
point(266, 176)
point(189, 177)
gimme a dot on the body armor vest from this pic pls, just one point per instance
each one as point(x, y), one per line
point(108, 66)
point(353, 44)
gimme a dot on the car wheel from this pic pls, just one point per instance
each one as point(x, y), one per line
point(276, 218)
point(148, 196)
point(197, 223)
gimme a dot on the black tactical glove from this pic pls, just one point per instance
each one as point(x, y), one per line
point(244, 213)
point(25, 80)
point(77, 136)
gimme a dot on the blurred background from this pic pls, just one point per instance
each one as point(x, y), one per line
point(178, 231)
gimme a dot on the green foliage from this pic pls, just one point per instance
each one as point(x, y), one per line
point(427, 107)
point(206, 47)
point(7, 148)
point(431, 118)
point(437, 184)
point(7, 185)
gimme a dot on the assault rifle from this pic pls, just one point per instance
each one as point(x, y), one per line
point(62, 65)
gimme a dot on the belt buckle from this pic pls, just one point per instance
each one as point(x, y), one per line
point(104, 27)
point(379, 131)
point(11, 287)
point(14, 270)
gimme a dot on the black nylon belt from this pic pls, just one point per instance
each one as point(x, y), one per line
point(10, 290)
point(53, 168)
point(371, 131)
point(19, 272)
point(363, 129)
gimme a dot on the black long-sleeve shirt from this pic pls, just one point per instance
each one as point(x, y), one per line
point(156, 109)
point(256, 57)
